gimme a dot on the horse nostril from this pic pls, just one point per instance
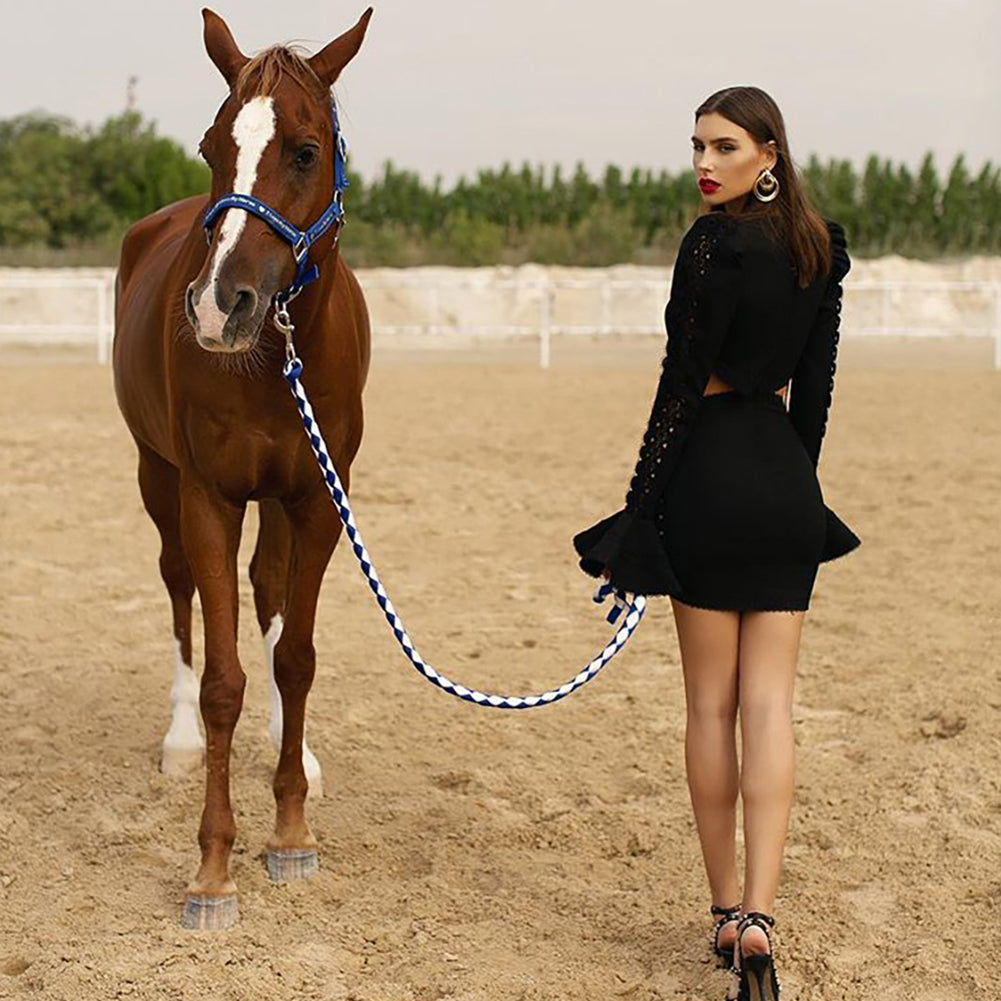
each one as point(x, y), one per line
point(189, 302)
point(245, 305)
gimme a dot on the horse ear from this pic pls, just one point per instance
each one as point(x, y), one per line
point(329, 61)
point(221, 47)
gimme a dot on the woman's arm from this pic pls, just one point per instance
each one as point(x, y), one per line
point(704, 292)
point(813, 378)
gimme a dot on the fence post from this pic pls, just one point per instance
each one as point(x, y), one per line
point(435, 308)
point(545, 325)
point(606, 306)
point(997, 326)
point(102, 321)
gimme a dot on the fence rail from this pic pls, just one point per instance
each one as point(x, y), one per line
point(100, 327)
point(543, 308)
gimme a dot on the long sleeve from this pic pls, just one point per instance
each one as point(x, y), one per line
point(813, 377)
point(704, 293)
point(705, 289)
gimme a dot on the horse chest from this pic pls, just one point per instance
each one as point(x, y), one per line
point(245, 457)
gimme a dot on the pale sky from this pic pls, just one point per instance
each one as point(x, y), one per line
point(453, 85)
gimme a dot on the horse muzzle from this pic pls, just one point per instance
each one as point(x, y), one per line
point(228, 321)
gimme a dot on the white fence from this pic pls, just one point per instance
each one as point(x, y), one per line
point(447, 305)
point(535, 308)
point(86, 301)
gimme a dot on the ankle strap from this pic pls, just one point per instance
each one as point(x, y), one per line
point(757, 918)
point(725, 911)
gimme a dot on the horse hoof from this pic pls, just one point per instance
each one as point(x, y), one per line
point(179, 762)
point(288, 864)
point(210, 913)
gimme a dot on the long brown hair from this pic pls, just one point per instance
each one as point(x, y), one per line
point(790, 218)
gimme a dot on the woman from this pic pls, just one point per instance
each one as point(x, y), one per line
point(725, 513)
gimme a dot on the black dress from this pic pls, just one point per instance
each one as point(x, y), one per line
point(725, 510)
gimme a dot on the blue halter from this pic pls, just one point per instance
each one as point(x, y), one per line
point(299, 240)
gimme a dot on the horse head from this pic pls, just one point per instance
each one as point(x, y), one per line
point(273, 139)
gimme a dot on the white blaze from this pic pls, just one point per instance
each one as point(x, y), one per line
point(253, 129)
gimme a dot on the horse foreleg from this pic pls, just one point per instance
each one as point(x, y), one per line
point(269, 569)
point(183, 746)
point(292, 851)
point(210, 528)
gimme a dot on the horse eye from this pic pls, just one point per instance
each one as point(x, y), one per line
point(306, 157)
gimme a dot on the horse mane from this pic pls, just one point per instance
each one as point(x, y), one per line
point(262, 74)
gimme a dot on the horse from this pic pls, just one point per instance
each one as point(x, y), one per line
point(197, 375)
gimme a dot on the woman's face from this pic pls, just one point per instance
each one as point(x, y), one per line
point(725, 153)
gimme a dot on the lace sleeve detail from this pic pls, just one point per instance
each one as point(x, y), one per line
point(813, 378)
point(704, 291)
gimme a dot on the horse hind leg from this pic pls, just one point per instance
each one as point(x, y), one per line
point(269, 573)
point(292, 849)
point(183, 748)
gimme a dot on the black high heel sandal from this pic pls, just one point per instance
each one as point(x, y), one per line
point(724, 914)
point(758, 980)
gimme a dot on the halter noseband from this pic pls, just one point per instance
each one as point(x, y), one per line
point(299, 240)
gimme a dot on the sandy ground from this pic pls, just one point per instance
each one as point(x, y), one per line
point(474, 855)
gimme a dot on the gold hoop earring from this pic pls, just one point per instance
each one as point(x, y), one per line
point(766, 187)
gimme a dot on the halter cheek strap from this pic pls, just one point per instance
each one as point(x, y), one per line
point(299, 240)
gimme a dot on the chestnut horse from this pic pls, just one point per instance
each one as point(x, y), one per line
point(198, 378)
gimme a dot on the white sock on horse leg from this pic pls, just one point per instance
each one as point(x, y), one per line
point(184, 745)
point(271, 638)
point(314, 775)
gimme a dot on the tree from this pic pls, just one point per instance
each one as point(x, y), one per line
point(65, 186)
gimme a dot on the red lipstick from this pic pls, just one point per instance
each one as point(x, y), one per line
point(708, 186)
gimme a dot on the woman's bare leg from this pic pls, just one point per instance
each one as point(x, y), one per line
point(769, 645)
point(709, 655)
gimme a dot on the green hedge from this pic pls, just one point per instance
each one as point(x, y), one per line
point(68, 193)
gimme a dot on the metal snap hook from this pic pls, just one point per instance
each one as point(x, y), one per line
point(283, 323)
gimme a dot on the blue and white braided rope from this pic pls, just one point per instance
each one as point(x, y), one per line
point(633, 605)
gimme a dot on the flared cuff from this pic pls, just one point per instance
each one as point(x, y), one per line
point(839, 538)
point(630, 548)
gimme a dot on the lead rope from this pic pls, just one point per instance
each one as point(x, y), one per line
point(633, 605)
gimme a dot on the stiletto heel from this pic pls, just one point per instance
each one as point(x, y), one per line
point(724, 916)
point(758, 980)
